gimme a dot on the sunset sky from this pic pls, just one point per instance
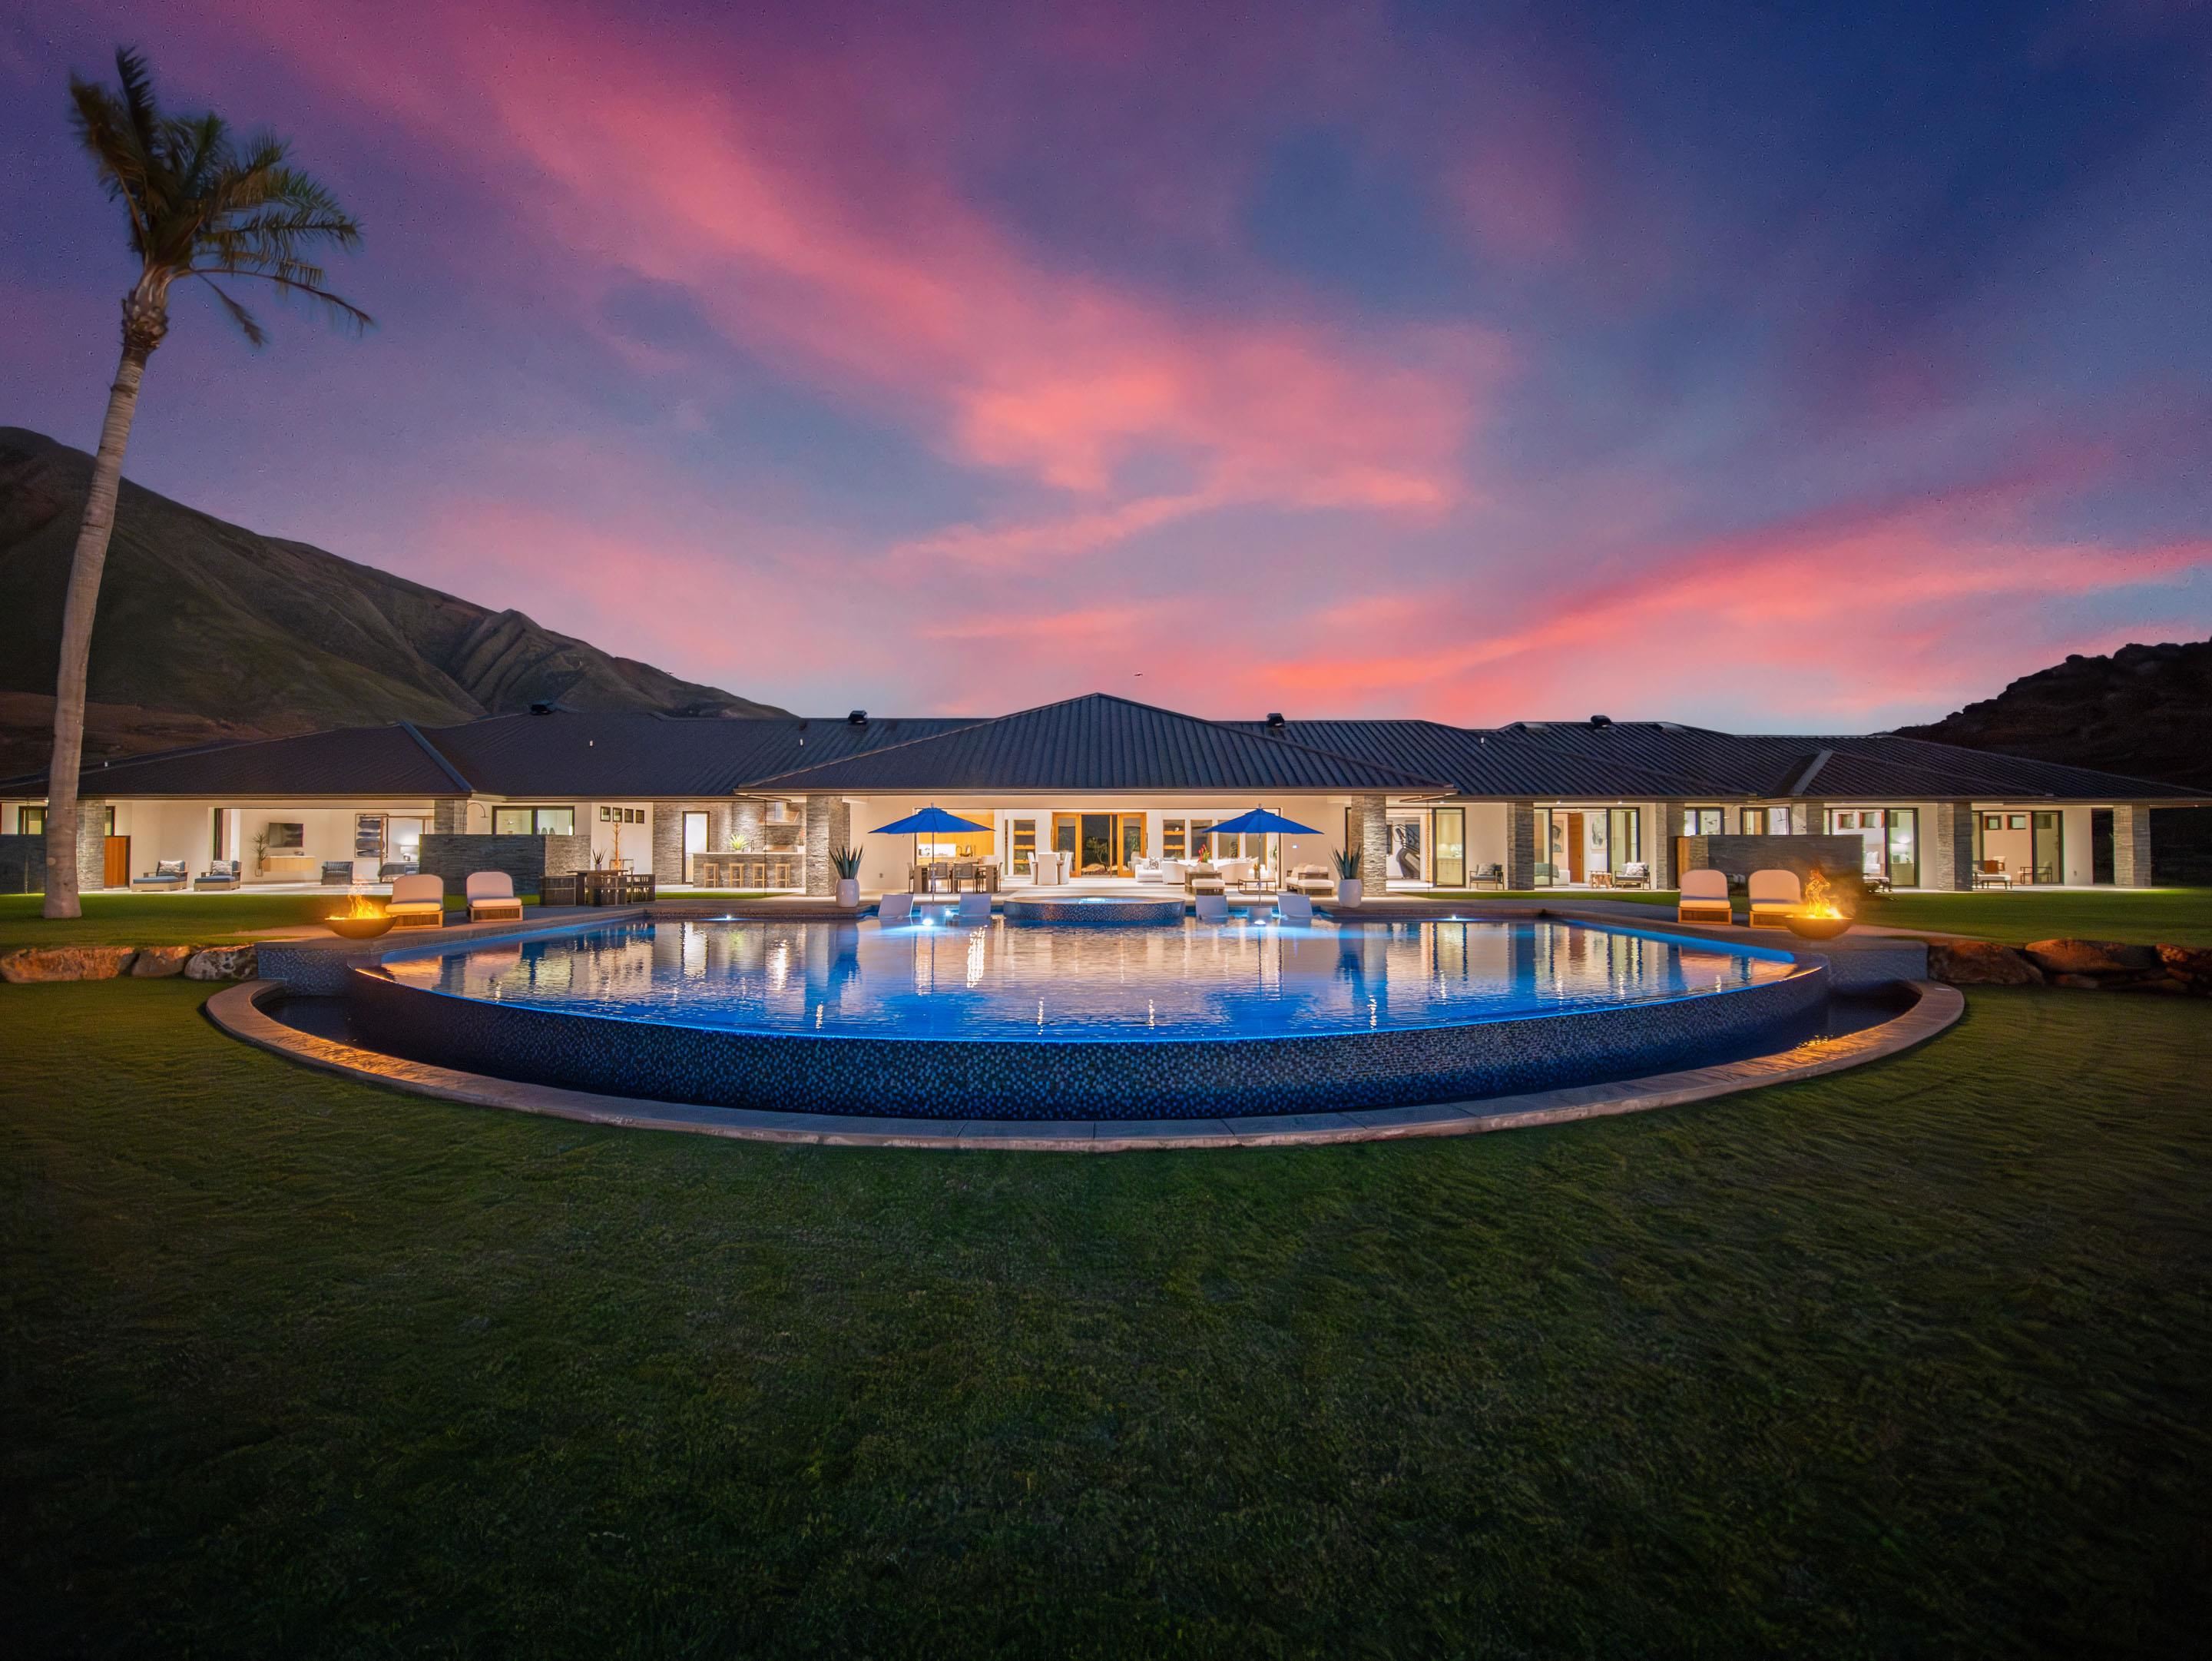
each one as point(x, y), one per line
point(1809, 367)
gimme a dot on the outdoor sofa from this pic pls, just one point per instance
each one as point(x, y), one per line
point(166, 874)
point(220, 874)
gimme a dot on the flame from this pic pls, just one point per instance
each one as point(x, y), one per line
point(1821, 897)
point(361, 905)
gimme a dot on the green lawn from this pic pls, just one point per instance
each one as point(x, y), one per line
point(1910, 1361)
point(170, 919)
point(2177, 916)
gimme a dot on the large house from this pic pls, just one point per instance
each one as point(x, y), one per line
point(761, 803)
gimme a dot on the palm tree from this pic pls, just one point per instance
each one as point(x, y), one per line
point(201, 203)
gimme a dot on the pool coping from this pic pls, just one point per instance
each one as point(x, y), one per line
point(237, 1011)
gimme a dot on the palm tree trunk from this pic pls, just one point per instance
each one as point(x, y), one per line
point(85, 567)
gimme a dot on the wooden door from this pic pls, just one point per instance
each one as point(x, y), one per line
point(116, 862)
point(1574, 847)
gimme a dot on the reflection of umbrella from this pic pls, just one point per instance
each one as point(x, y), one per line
point(932, 818)
point(1261, 823)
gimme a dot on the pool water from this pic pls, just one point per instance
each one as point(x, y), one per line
point(1247, 978)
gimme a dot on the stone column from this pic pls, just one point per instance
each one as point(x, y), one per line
point(1947, 861)
point(449, 816)
point(92, 847)
point(1520, 845)
point(1662, 822)
point(667, 828)
point(745, 822)
point(1808, 818)
point(1374, 844)
point(720, 819)
point(2131, 845)
point(829, 823)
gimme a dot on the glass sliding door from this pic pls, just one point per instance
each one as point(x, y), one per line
point(1904, 828)
point(1449, 848)
point(1132, 847)
point(1627, 838)
point(2049, 857)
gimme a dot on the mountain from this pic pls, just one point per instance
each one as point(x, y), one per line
point(206, 623)
point(2145, 711)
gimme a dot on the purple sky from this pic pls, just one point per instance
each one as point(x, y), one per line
point(1817, 371)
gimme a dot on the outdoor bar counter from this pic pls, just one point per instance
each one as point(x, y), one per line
point(775, 869)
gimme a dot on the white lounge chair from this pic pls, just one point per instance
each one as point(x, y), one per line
point(1704, 898)
point(1214, 907)
point(417, 903)
point(491, 897)
point(1171, 871)
point(974, 907)
point(895, 908)
point(1294, 908)
point(1776, 896)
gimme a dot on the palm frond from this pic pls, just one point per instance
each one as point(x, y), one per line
point(245, 319)
point(206, 202)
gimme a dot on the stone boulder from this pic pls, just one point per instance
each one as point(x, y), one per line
point(65, 963)
point(155, 963)
point(1979, 963)
point(2190, 964)
point(224, 962)
point(2093, 958)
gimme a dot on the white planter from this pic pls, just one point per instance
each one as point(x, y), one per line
point(849, 890)
point(1348, 891)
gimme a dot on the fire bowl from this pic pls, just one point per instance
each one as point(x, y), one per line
point(357, 928)
point(1818, 928)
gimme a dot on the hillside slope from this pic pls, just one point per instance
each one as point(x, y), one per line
point(2146, 711)
point(201, 618)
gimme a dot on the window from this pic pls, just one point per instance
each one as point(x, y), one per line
point(2016, 821)
point(30, 821)
point(1992, 821)
point(1701, 821)
point(533, 821)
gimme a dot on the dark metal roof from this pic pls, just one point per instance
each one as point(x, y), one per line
point(1094, 743)
point(569, 753)
point(1701, 762)
point(1100, 742)
point(1473, 761)
point(353, 761)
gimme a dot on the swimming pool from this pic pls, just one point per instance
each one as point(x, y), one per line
point(933, 1019)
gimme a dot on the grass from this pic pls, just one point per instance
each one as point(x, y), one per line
point(2145, 916)
point(170, 919)
point(1911, 1360)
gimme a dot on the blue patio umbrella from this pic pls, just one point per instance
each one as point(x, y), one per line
point(932, 818)
point(1259, 821)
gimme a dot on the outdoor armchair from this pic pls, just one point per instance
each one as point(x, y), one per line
point(417, 903)
point(1704, 898)
point(1775, 896)
point(491, 898)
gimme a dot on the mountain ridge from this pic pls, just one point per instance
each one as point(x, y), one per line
point(206, 620)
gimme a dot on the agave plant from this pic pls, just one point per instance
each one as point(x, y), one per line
point(846, 861)
point(199, 202)
point(1347, 864)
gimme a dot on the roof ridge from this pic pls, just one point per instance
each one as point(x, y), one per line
point(431, 751)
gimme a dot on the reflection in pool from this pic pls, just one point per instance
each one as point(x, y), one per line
point(1243, 979)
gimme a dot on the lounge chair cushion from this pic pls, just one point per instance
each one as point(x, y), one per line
point(485, 887)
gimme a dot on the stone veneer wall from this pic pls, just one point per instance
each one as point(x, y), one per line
point(1947, 857)
point(829, 823)
point(2131, 846)
point(1840, 856)
point(1520, 846)
point(524, 857)
point(22, 864)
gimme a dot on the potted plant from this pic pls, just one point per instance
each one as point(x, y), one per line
point(1348, 886)
point(261, 853)
point(847, 860)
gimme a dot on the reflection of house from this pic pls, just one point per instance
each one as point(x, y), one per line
point(1110, 783)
